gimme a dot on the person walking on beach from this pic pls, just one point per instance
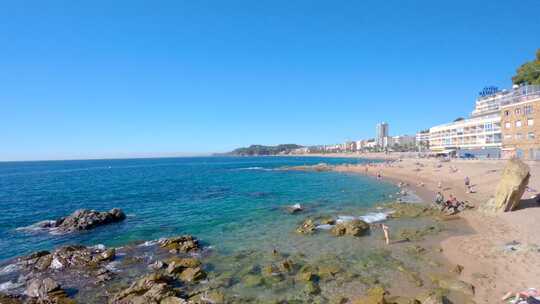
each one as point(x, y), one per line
point(468, 184)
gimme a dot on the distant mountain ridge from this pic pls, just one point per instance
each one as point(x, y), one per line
point(257, 150)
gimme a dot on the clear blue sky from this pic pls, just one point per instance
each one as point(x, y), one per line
point(102, 78)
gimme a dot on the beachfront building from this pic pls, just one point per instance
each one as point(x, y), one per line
point(422, 140)
point(350, 146)
point(479, 135)
point(381, 132)
point(402, 140)
point(498, 126)
point(520, 118)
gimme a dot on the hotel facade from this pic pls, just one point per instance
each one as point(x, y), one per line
point(496, 127)
point(520, 118)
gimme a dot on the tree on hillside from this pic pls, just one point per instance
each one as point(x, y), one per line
point(529, 72)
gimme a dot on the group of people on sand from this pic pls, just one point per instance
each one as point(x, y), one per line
point(451, 204)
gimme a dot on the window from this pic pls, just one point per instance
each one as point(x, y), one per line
point(530, 122)
point(506, 113)
point(488, 127)
point(508, 136)
point(530, 135)
point(517, 111)
point(518, 123)
point(507, 125)
point(519, 136)
point(527, 110)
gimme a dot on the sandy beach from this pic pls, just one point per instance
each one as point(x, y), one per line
point(502, 254)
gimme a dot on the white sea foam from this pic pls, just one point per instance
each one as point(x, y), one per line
point(36, 227)
point(99, 247)
point(9, 269)
point(256, 168)
point(148, 243)
point(371, 217)
point(325, 227)
point(6, 286)
point(374, 217)
point(345, 218)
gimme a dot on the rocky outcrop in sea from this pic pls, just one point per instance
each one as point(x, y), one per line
point(82, 219)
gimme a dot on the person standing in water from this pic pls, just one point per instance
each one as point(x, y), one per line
point(386, 231)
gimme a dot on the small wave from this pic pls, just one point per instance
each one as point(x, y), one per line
point(148, 243)
point(6, 286)
point(256, 168)
point(37, 227)
point(374, 217)
point(371, 217)
point(325, 226)
point(9, 269)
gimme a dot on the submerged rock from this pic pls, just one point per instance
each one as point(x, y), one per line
point(514, 181)
point(374, 296)
point(450, 283)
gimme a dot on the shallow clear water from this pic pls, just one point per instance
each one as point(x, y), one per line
point(231, 203)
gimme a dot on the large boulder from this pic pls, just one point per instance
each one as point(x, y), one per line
point(83, 219)
point(184, 243)
point(46, 291)
point(152, 288)
point(353, 228)
point(514, 180)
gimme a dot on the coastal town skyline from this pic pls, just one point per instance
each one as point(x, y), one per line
point(241, 73)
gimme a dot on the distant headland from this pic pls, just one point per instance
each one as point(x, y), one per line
point(260, 150)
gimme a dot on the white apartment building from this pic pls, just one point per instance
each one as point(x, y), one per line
point(474, 133)
point(402, 140)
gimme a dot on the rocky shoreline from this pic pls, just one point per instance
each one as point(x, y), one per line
point(182, 270)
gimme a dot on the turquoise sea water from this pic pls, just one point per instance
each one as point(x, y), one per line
point(230, 203)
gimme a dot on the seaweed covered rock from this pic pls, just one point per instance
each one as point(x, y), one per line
point(153, 288)
point(514, 181)
point(10, 299)
point(307, 227)
point(374, 296)
point(71, 256)
point(450, 283)
point(184, 243)
point(354, 228)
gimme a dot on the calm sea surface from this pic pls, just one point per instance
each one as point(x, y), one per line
point(230, 203)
